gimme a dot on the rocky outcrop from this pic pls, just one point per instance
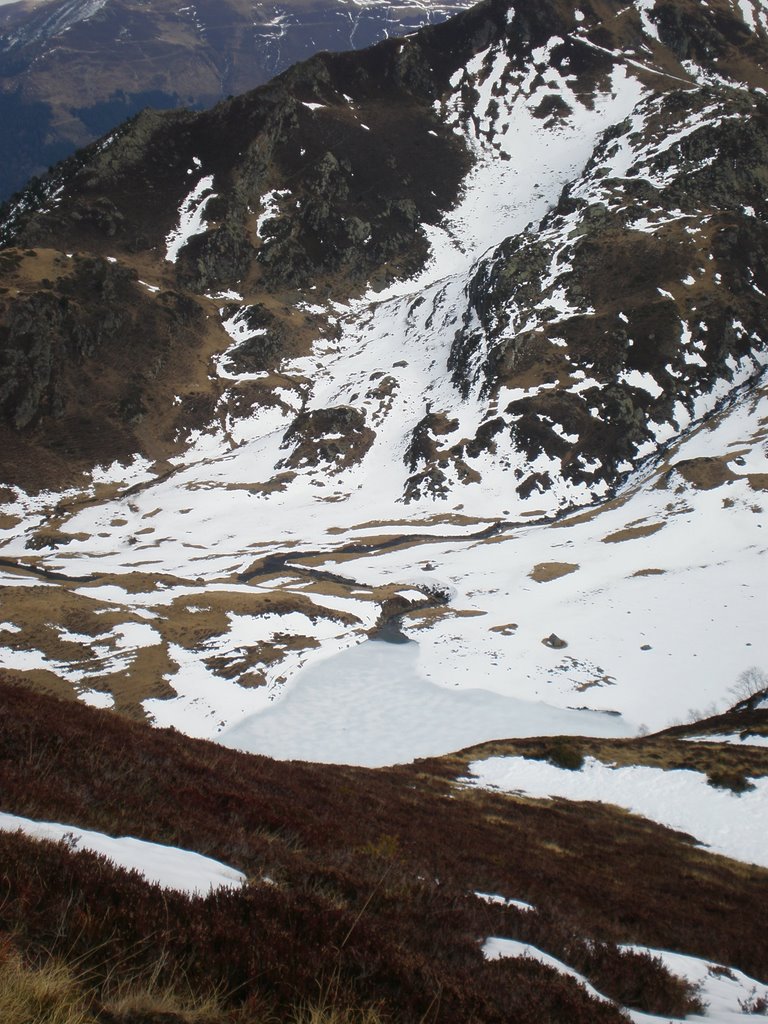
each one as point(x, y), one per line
point(82, 356)
point(330, 438)
point(641, 291)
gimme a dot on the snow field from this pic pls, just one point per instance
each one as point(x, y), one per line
point(731, 824)
point(166, 866)
point(652, 647)
point(370, 706)
point(191, 218)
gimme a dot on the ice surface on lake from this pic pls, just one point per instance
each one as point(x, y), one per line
point(371, 706)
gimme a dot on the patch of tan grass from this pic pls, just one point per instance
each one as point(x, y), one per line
point(633, 533)
point(591, 513)
point(443, 519)
point(705, 474)
point(136, 1002)
point(423, 618)
point(658, 751)
point(545, 572)
point(54, 993)
point(50, 994)
point(320, 1014)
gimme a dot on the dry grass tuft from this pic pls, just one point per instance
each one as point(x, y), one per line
point(545, 572)
point(325, 1013)
point(49, 994)
point(137, 1001)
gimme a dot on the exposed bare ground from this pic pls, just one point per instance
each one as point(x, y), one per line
point(633, 533)
point(544, 572)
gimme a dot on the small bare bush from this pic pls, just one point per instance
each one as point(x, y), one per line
point(754, 1004)
point(751, 683)
point(565, 754)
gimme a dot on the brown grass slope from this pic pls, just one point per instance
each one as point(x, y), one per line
point(360, 876)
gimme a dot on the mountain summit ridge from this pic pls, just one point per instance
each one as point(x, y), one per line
point(71, 70)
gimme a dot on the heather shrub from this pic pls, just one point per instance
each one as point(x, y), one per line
point(640, 981)
point(565, 754)
point(736, 781)
point(632, 978)
point(363, 875)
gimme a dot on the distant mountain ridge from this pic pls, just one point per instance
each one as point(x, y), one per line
point(71, 70)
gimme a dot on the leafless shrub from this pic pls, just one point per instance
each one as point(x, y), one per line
point(755, 1004)
point(750, 684)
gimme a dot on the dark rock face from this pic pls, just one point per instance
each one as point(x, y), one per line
point(47, 333)
point(335, 437)
point(351, 210)
point(263, 348)
point(81, 356)
point(623, 247)
point(353, 214)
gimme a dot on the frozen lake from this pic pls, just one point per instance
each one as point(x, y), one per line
point(370, 706)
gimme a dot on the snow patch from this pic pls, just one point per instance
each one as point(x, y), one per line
point(166, 866)
point(730, 824)
point(191, 218)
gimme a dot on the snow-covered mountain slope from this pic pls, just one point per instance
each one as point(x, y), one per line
point(658, 595)
point(649, 605)
point(468, 328)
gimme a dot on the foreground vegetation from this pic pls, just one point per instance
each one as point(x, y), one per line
point(361, 895)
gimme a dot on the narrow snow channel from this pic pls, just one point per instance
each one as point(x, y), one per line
point(167, 866)
point(370, 706)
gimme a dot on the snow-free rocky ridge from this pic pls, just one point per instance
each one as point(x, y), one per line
point(467, 328)
point(72, 70)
